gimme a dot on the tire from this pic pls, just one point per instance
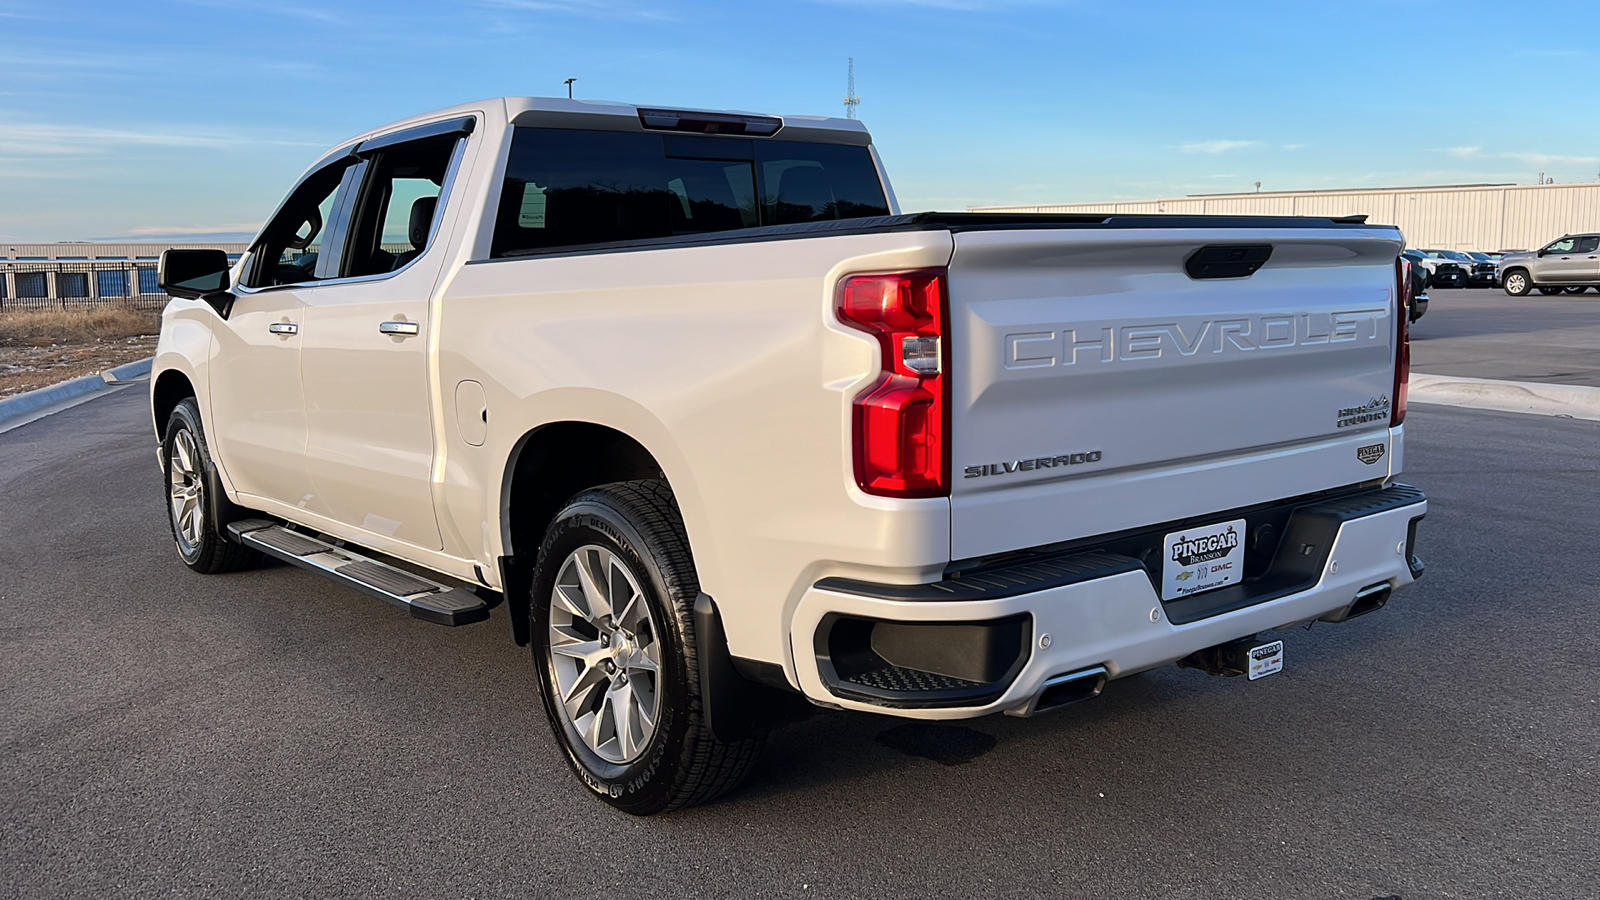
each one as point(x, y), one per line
point(1517, 283)
point(1550, 291)
point(190, 479)
point(616, 665)
point(1577, 289)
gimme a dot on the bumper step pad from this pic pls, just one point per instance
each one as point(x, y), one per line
point(895, 678)
point(426, 599)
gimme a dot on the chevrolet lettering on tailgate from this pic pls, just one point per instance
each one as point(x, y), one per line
point(1121, 343)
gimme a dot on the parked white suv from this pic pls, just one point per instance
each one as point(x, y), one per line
point(715, 428)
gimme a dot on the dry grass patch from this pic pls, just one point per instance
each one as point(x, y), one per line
point(42, 347)
point(54, 327)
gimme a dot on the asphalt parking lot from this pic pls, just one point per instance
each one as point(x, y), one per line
point(269, 734)
point(1485, 333)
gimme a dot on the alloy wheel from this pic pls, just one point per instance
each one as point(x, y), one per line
point(605, 656)
point(185, 491)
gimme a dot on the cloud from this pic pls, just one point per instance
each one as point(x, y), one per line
point(28, 64)
point(1294, 146)
point(952, 5)
point(288, 10)
point(43, 139)
point(230, 228)
point(218, 234)
point(1217, 146)
point(601, 9)
point(1527, 157)
point(1550, 54)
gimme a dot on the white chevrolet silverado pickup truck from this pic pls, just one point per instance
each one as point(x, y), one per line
point(717, 428)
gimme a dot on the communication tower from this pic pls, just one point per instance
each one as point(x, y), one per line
point(851, 101)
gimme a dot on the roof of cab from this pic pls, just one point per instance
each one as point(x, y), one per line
point(609, 115)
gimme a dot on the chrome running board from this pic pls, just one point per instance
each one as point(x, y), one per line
point(427, 599)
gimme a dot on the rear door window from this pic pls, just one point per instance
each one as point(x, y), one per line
point(394, 219)
point(567, 188)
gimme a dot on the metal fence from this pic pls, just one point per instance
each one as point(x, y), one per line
point(68, 285)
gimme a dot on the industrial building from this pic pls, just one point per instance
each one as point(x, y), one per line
point(1454, 217)
point(67, 274)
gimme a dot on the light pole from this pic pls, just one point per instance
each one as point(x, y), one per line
point(568, 83)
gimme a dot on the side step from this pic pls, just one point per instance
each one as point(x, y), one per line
point(426, 599)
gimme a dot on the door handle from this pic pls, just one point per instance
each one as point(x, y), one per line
point(399, 329)
point(284, 328)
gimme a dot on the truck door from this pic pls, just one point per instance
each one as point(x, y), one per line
point(1588, 249)
point(1562, 263)
point(364, 357)
point(257, 416)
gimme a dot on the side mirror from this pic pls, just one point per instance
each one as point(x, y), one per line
point(196, 275)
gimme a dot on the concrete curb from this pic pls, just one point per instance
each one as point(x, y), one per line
point(1572, 400)
point(39, 403)
point(129, 372)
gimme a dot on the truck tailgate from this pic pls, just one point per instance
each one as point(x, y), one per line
point(1097, 386)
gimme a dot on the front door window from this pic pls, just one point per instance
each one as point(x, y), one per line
point(294, 241)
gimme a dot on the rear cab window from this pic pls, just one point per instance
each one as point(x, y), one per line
point(567, 187)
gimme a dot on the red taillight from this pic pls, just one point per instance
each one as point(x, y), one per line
point(899, 422)
point(1402, 349)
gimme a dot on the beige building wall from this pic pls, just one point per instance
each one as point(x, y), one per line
point(68, 273)
point(84, 250)
point(1459, 217)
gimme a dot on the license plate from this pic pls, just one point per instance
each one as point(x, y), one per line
point(1202, 559)
point(1266, 659)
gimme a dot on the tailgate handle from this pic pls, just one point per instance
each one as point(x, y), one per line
point(1227, 260)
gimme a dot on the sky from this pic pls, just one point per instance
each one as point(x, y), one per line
point(178, 119)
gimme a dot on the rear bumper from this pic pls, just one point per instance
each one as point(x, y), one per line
point(1093, 609)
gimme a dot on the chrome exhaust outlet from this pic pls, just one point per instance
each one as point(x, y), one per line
point(1369, 599)
point(1064, 690)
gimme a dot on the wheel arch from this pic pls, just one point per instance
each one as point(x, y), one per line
point(169, 389)
point(547, 466)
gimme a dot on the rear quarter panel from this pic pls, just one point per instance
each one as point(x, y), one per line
point(727, 364)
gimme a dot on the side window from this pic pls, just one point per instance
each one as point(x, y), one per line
point(566, 187)
point(292, 242)
point(394, 217)
point(1562, 246)
point(1587, 244)
point(819, 182)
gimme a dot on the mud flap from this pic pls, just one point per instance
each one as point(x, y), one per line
point(735, 707)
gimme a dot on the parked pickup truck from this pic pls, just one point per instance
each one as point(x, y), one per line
point(1571, 264)
point(715, 427)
